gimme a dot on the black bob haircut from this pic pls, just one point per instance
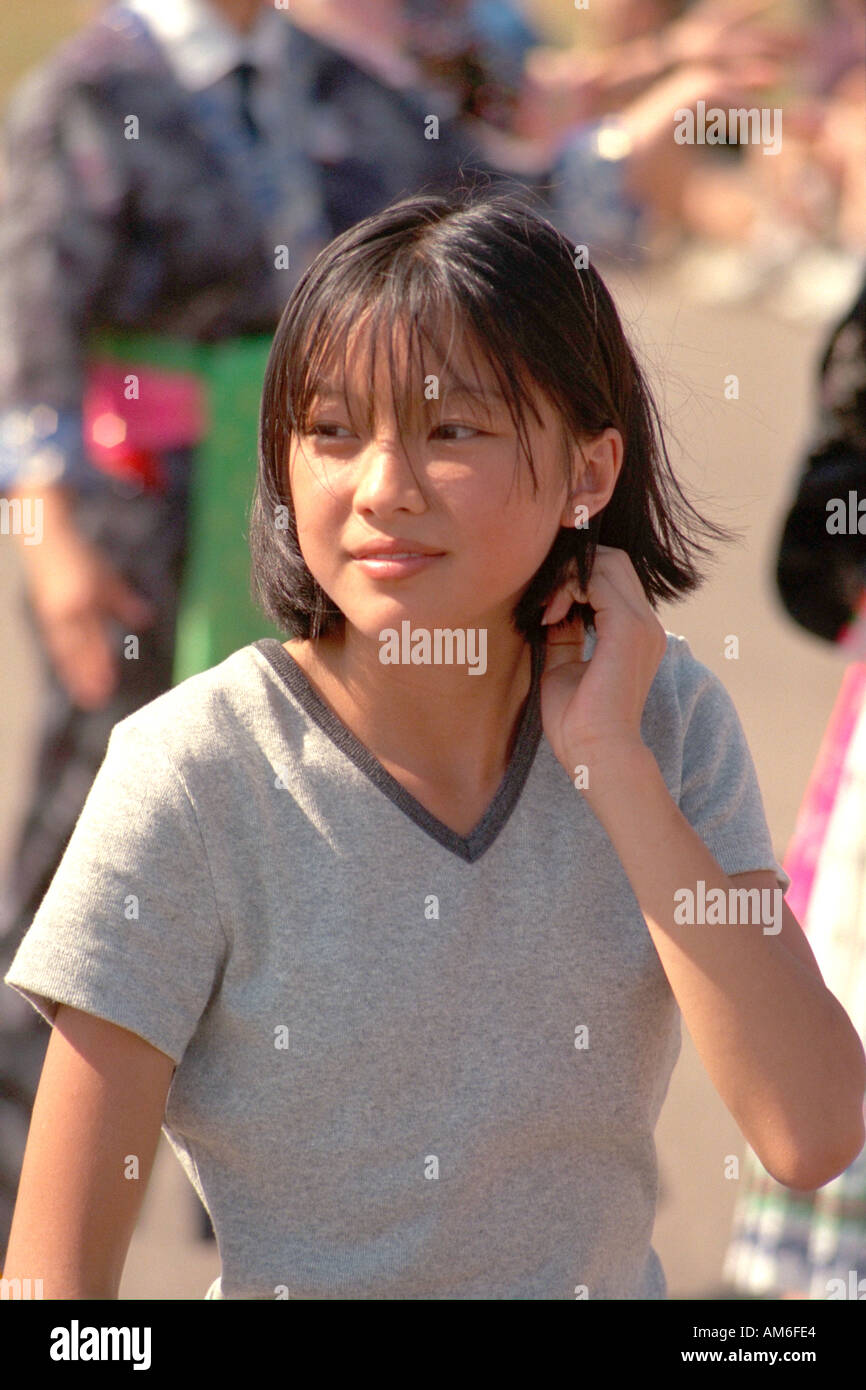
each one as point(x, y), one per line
point(489, 266)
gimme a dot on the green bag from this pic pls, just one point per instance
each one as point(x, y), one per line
point(217, 614)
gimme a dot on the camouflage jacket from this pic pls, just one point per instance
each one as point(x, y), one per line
point(162, 232)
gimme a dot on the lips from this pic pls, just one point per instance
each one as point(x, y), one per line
point(392, 550)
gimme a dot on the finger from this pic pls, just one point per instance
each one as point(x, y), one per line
point(614, 600)
point(562, 600)
point(615, 566)
point(611, 563)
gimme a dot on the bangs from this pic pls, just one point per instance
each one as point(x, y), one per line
point(434, 333)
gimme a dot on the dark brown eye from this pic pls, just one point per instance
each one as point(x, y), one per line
point(470, 428)
point(324, 430)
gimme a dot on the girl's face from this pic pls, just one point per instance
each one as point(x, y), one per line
point(483, 533)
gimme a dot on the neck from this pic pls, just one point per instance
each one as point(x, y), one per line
point(435, 720)
point(241, 14)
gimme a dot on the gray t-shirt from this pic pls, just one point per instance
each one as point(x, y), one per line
point(410, 1064)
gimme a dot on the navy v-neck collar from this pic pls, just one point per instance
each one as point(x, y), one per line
point(468, 847)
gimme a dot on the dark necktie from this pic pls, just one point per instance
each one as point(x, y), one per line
point(245, 72)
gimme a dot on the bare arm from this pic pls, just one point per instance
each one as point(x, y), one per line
point(101, 1100)
point(777, 1045)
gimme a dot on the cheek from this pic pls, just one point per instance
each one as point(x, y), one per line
point(314, 502)
point(506, 547)
point(531, 519)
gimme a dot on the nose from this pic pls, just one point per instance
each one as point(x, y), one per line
point(385, 481)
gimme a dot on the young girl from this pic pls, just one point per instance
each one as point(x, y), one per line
point(389, 938)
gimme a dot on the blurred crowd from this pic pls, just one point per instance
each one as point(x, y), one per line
point(596, 113)
point(591, 116)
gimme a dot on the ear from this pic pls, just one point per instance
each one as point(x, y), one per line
point(596, 462)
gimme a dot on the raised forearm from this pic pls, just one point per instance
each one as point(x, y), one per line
point(777, 1045)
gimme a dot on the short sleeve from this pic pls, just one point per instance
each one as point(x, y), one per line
point(720, 796)
point(129, 928)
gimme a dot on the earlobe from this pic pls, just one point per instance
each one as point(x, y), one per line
point(577, 511)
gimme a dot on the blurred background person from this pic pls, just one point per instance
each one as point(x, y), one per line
point(788, 228)
point(625, 46)
point(799, 1244)
point(739, 224)
point(589, 127)
point(140, 197)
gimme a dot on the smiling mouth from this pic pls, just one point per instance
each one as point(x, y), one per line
point(394, 564)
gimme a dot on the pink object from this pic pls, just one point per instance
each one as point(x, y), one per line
point(130, 409)
point(803, 852)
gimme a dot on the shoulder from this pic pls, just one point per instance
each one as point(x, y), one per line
point(208, 721)
point(685, 680)
point(689, 711)
point(685, 668)
point(91, 59)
